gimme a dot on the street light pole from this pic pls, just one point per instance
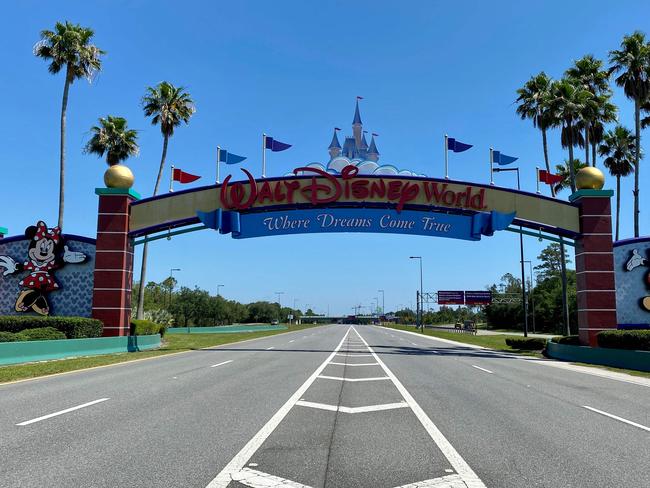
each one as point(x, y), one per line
point(530, 291)
point(219, 286)
point(279, 294)
point(171, 284)
point(419, 305)
point(383, 302)
point(521, 257)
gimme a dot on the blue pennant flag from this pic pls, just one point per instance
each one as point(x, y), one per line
point(229, 158)
point(502, 159)
point(457, 146)
point(274, 145)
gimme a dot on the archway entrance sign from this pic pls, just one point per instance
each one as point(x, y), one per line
point(312, 200)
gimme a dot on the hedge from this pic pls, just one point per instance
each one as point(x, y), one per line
point(72, 327)
point(526, 343)
point(572, 340)
point(147, 327)
point(39, 334)
point(637, 340)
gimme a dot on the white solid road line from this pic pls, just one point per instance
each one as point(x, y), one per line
point(221, 364)
point(269, 348)
point(359, 364)
point(67, 410)
point(353, 379)
point(342, 409)
point(621, 419)
point(468, 476)
point(352, 355)
point(482, 369)
point(292, 340)
point(223, 479)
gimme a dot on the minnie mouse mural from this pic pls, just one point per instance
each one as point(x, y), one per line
point(47, 252)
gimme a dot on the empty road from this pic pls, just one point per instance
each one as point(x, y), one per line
point(334, 406)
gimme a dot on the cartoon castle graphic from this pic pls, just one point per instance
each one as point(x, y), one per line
point(355, 146)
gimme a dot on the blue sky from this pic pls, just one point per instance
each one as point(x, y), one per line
point(292, 69)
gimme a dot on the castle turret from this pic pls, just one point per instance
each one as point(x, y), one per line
point(357, 126)
point(373, 153)
point(335, 147)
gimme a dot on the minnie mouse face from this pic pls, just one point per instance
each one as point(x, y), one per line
point(43, 243)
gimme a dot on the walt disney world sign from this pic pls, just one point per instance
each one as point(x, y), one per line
point(313, 200)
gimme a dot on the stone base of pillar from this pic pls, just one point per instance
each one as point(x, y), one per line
point(596, 287)
point(113, 261)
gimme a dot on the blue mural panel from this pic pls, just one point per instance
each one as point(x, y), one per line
point(632, 268)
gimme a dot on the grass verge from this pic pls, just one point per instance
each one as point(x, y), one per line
point(172, 343)
point(498, 343)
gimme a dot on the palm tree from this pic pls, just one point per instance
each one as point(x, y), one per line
point(588, 72)
point(68, 47)
point(113, 138)
point(632, 61)
point(618, 147)
point(568, 103)
point(605, 114)
point(533, 104)
point(567, 172)
point(168, 106)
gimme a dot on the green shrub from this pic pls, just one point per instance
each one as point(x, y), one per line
point(40, 334)
point(72, 327)
point(526, 343)
point(638, 340)
point(572, 340)
point(9, 337)
point(147, 327)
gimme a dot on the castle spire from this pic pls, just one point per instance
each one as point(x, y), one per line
point(373, 153)
point(335, 147)
point(357, 126)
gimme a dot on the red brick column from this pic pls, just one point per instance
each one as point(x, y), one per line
point(596, 286)
point(113, 261)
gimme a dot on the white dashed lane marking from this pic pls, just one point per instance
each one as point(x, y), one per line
point(269, 348)
point(61, 412)
point(616, 417)
point(482, 369)
point(221, 364)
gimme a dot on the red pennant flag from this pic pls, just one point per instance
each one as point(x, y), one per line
point(183, 177)
point(549, 178)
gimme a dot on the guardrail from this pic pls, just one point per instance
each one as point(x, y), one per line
point(457, 330)
point(30, 351)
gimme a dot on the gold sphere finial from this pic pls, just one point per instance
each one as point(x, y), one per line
point(590, 178)
point(119, 176)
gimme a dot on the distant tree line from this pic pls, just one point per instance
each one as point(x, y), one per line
point(197, 308)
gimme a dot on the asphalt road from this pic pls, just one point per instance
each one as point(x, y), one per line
point(334, 406)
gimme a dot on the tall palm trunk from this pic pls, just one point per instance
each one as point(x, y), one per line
point(587, 143)
point(546, 162)
point(637, 153)
point(593, 154)
point(64, 109)
point(618, 203)
point(572, 170)
point(145, 246)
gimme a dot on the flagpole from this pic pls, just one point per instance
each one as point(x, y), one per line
point(218, 162)
point(446, 157)
point(171, 180)
point(263, 155)
point(491, 173)
point(537, 172)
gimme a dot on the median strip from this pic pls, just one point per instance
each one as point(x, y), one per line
point(61, 412)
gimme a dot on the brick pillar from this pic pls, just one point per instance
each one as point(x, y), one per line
point(113, 261)
point(596, 285)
